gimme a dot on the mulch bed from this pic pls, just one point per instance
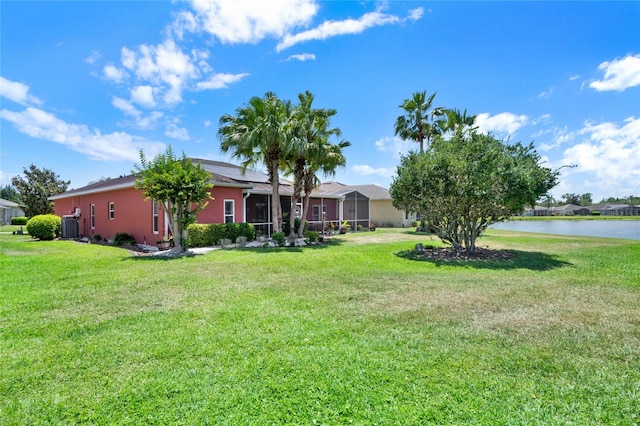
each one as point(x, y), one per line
point(448, 254)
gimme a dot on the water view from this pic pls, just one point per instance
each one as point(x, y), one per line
point(628, 229)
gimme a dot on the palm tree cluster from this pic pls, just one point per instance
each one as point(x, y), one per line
point(422, 123)
point(286, 138)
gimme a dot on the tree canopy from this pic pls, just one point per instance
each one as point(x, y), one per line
point(180, 185)
point(419, 122)
point(462, 185)
point(36, 187)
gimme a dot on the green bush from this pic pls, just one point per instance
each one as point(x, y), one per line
point(278, 238)
point(312, 236)
point(45, 226)
point(210, 234)
point(19, 220)
point(123, 239)
point(596, 213)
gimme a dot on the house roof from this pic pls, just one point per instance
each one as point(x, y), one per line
point(372, 192)
point(222, 174)
point(6, 204)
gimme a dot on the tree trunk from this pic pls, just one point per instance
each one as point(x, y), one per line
point(305, 209)
point(276, 209)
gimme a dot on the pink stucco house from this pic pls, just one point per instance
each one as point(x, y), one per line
point(113, 206)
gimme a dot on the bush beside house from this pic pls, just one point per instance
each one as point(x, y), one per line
point(45, 226)
point(203, 235)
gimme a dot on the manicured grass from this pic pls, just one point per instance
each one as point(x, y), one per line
point(350, 332)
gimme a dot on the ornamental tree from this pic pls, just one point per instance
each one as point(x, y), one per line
point(462, 185)
point(180, 185)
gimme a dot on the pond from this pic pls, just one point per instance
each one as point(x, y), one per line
point(628, 229)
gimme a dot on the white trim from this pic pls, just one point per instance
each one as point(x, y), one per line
point(92, 216)
point(111, 210)
point(155, 217)
point(233, 210)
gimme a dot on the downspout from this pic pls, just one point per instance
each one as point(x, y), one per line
point(244, 207)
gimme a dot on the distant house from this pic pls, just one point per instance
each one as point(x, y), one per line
point(115, 205)
point(381, 210)
point(9, 209)
point(536, 211)
point(570, 210)
point(617, 209)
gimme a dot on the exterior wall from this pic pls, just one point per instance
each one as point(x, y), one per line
point(214, 212)
point(383, 213)
point(9, 212)
point(132, 214)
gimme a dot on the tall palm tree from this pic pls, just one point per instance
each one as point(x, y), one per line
point(419, 123)
point(459, 123)
point(325, 158)
point(259, 134)
point(312, 131)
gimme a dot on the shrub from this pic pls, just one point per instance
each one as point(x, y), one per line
point(278, 238)
point(210, 234)
point(596, 213)
point(123, 239)
point(19, 220)
point(97, 238)
point(312, 236)
point(241, 241)
point(45, 226)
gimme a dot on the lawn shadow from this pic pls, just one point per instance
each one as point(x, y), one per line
point(533, 260)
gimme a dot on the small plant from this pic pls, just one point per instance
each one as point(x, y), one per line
point(278, 238)
point(123, 239)
point(97, 238)
point(312, 236)
point(345, 227)
point(225, 242)
point(596, 213)
point(45, 226)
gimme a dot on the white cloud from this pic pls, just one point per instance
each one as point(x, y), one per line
point(113, 73)
point(348, 26)
point(546, 94)
point(143, 95)
point(395, 146)
point(610, 151)
point(94, 57)
point(207, 123)
point(245, 21)
point(175, 132)
point(503, 123)
point(17, 92)
point(141, 121)
point(220, 81)
point(302, 57)
point(619, 74)
point(115, 146)
point(365, 170)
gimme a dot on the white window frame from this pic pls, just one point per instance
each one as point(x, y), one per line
point(232, 216)
point(92, 213)
point(112, 210)
point(155, 217)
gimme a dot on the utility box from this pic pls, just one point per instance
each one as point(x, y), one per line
point(70, 227)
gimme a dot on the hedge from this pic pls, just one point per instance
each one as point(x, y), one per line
point(19, 220)
point(45, 226)
point(209, 234)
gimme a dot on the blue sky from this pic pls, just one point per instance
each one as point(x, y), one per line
point(85, 85)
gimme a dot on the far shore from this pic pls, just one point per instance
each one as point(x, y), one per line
point(575, 217)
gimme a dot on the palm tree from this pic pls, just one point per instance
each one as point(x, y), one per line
point(311, 134)
point(459, 122)
point(418, 124)
point(259, 134)
point(326, 158)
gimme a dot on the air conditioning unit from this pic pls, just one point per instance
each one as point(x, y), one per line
point(70, 226)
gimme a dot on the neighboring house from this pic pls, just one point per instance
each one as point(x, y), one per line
point(536, 211)
point(381, 210)
point(617, 209)
point(570, 209)
point(9, 209)
point(114, 205)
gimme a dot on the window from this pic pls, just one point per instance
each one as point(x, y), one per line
point(112, 210)
point(93, 216)
point(155, 216)
point(229, 211)
point(315, 216)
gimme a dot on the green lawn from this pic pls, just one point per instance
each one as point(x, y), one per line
point(350, 332)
